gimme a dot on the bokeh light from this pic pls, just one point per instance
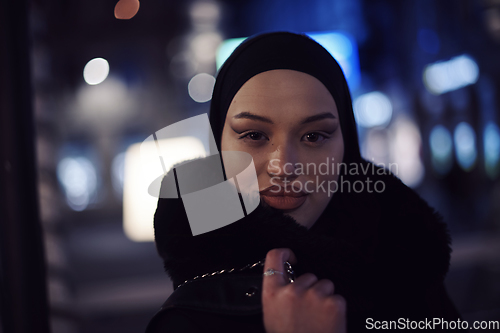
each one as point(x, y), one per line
point(456, 73)
point(375, 146)
point(96, 71)
point(205, 45)
point(465, 145)
point(337, 44)
point(126, 9)
point(441, 145)
point(373, 109)
point(138, 205)
point(405, 146)
point(204, 14)
point(78, 177)
point(491, 138)
point(200, 87)
point(118, 172)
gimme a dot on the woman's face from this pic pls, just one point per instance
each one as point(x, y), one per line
point(288, 121)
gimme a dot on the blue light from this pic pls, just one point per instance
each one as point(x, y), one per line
point(491, 137)
point(465, 145)
point(345, 50)
point(373, 109)
point(341, 46)
point(441, 149)
point(445, 76)
point(79, 179)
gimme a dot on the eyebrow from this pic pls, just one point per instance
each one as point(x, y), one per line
point(251, 116)
point(321, 116)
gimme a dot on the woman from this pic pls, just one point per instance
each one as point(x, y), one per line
point(365, 248)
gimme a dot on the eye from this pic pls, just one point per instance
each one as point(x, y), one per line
point(254, 136)
point(314, 137)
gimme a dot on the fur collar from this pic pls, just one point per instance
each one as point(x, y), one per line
point(361, 241)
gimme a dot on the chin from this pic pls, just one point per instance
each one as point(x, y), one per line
point(301, 217)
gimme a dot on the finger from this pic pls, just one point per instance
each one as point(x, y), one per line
point(338, 305)
point(305, 281)
point(275, 260)
point(324, 287)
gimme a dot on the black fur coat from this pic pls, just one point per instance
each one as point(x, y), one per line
point(387, 253)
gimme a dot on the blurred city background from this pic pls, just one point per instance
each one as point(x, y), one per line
point(424, 76)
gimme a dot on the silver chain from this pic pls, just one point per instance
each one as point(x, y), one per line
point(289, 270)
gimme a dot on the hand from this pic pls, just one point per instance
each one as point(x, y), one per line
point(306, 305)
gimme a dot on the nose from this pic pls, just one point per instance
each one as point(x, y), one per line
point(283, 162)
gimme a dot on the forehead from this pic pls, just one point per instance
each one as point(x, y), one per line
point(281, 90)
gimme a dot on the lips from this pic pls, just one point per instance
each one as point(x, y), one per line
point(283, 198)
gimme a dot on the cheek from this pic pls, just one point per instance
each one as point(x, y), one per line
point(328, 164)
point(326, 161)
point(259, 159)
point(261, 168)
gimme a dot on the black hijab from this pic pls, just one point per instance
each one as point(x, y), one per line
point(283, 50)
